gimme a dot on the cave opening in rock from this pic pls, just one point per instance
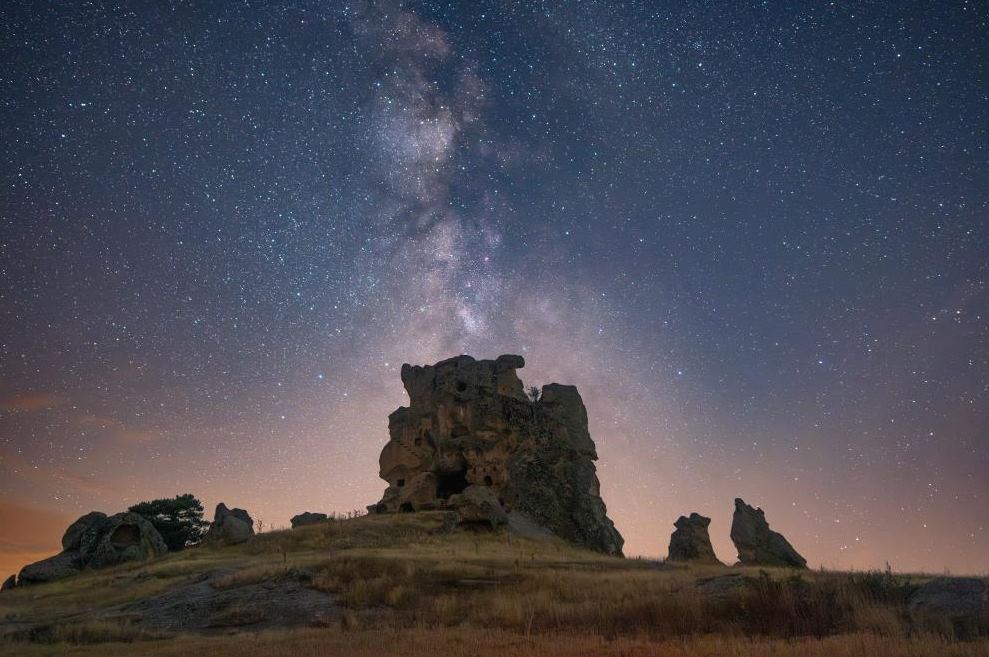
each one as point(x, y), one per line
point(406, 507)
point(487, 480)
point(451, 483)
point(125, 535)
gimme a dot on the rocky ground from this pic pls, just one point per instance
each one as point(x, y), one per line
point(375, 585)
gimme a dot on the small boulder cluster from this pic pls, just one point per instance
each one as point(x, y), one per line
point(97, 540)
point(757, 544)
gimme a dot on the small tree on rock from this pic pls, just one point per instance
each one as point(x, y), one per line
point(533, 392)
point(179, 520)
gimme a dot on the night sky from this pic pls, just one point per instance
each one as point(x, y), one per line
point(754, 235)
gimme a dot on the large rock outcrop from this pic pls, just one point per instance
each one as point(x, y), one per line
point(308, 518)
point(690, 542)
point(469, 423)
point(230, 526)
point(757, 544)
point(97, 541)
point(957, 598)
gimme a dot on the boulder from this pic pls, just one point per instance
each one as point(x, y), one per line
point(73, 535)
point(757, 544)
point(470, 423)
point(96, 541)
point(230, 526)
point(118, 538)
point(478, 505)
point(958, 598)
point(690, 542)
point(62, 565)
point(308, 518)
point(9, 583)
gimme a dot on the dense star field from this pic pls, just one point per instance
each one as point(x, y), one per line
point(752, 234)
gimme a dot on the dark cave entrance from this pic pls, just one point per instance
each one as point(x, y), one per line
point(451, 483)
point(125, 536)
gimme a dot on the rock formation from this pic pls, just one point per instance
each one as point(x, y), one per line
point(9, 583)
point(478, 505)
point(757, 544)
point(230, 526)
point(958, 598)
point(96, 541)
point(308, 518)
point(691, 542)
point(469, 423)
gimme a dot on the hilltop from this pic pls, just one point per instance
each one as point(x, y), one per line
point(402, 584)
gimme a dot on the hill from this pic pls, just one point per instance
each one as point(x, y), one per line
point(402, 585)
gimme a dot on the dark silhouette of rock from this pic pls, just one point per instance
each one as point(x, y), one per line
point(60, 566)
point(959, 598)
point(230, 526)
point(73, 535)
point(690, 541)
point(478, 505)
point(757, 544)
point(96, 541)
point(9, 583)
point(119, 538)
point(469, 423)
point(308, 518)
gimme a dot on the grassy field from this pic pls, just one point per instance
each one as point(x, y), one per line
point(399, 588)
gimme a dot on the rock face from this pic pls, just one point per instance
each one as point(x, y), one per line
point(757, 544)
point(230, 526)
point(690, 542)
point(308, 518)
point(961, 598)
point(9, 583)
point(478, 505)
point(469, 423)
point(96, 541)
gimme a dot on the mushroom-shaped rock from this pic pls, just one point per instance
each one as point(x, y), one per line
point(118, 538)
point(958, 598)
point(308, 518)
point(478, 505)
point(62, 565)
point(757, 544)
point(9, 583)
point(73, 535)
point(229, 526)
point(690, 542)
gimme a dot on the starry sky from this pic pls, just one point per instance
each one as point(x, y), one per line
point(753, 234)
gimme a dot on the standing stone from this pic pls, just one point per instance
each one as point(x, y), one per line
point(469, 423)
point(230, 526)
point(690, 542)
point(308, 518)
point(757, 544)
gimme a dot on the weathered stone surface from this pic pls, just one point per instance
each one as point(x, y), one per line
point(229, 526)
point(118, 538)
point(469, 423)
point(308, 518)
point(97, 541)
point(690, 542)
point(478, 505)
point(757, 544)
point(73, 535)
point(963, 598)
point(62, 565)
point(9, 583)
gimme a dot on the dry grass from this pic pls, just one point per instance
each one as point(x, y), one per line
point(405, 590)
point(466, 642)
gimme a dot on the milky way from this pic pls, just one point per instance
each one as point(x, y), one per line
point(753, 235)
